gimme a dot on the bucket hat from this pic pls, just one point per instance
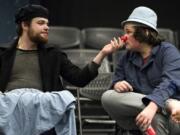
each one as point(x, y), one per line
point(143, 15)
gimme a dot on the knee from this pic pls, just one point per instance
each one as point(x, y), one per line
point(105, 99)
point(112, 100)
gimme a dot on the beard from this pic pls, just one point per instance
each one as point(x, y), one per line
point(37, 37)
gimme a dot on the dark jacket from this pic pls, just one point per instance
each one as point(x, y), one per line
point(53, 64)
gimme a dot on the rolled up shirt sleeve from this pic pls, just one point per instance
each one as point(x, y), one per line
point(161, 94)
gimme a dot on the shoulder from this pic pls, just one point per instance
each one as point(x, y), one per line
point(165, 45)
point(5, 46)
point(167, 50)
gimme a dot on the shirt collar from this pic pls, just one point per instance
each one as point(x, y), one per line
point(137, 60)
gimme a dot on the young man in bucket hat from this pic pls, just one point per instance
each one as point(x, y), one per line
point(30, 71)
point(147, 75)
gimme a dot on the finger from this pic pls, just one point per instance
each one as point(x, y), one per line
point(139, 120)
point(121, 88)
point(173, 112)
point(129, 87)
point(115, 40)
point(113, 45)
point(117, 46)
point(117, 90)
point(175, 118)
point(120, 42)
point(144, 124)
point(124, 87)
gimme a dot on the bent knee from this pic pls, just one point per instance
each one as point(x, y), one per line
point(106, 98)
point(106, 95)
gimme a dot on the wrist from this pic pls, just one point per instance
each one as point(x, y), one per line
point(102, 53)
point(153, 105)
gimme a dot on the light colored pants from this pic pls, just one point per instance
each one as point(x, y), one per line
point(29, 111)
point(124, 107)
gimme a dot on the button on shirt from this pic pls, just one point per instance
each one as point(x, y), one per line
point(158, 78)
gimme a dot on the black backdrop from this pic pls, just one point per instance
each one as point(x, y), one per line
point(87, 13)
point(90, 13)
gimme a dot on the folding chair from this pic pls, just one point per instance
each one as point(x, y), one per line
point(168, 35)
point(64, 37)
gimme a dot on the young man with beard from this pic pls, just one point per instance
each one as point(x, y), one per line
point(29, 72)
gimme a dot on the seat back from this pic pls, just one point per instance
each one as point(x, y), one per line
point(97, 37)
point(81, 57)
point(64, 37)
point(168, 35)
point(97, 87)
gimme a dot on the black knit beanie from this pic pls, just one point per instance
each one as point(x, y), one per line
point(29, 12)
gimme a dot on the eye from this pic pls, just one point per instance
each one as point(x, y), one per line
point(129, 32)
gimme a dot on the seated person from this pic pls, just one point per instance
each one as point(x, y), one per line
point(30, 70)
point(147, 74)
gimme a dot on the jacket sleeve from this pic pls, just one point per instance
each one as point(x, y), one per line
point(170, 83)
point(76, 75)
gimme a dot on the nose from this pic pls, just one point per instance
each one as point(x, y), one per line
point(46, 27)
point(124, 38)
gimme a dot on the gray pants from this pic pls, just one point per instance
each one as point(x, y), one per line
point(124, 107)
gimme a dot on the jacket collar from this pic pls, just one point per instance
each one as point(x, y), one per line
point(13, 44)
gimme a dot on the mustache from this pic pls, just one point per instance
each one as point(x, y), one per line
point(45, 32)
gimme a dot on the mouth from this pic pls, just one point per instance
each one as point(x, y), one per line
point(44, 33)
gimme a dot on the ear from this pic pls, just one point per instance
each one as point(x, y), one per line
point(24, 25)
point(147, 32)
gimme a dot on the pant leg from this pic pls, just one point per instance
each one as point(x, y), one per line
point(124, 107)
point(160, 124)
point(43, 111)
point(174, 128)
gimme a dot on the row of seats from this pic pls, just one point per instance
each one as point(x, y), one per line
point(94, 37)
point(72, 37)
